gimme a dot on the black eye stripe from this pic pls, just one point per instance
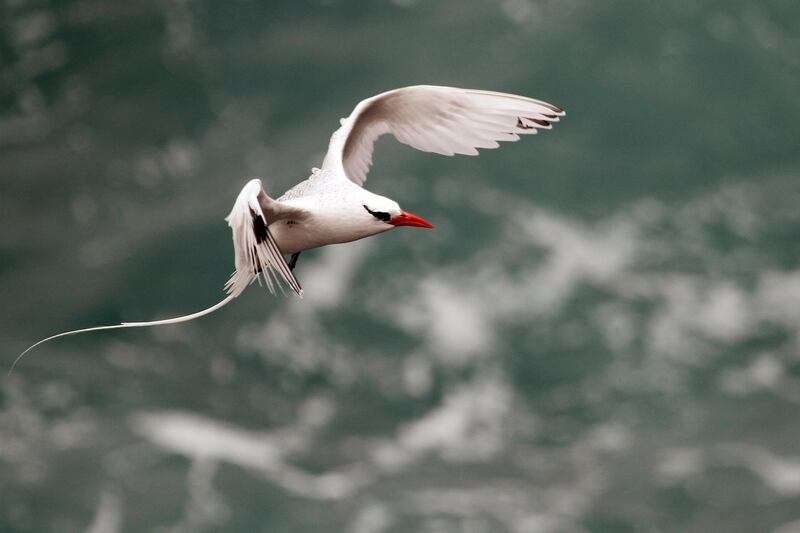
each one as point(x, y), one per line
point(380, 215)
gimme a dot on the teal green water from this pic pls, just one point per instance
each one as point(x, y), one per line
point(601, 335)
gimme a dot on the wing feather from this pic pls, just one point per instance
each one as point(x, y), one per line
point(444, 120)
point(257, 255)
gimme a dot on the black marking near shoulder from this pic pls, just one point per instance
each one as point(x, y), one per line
point(259, 228)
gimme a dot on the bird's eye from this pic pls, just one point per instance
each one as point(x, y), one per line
point(380, 215)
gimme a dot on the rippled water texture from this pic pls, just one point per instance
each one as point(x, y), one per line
point(601, 334)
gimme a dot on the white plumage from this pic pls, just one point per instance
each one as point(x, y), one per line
point(328, 206)
point(331, 206)
point(444, 120)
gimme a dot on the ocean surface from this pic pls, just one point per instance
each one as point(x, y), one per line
point(601, 335)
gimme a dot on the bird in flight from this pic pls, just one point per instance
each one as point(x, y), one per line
point(332, 206)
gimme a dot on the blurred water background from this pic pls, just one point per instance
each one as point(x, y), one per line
point(601, 334)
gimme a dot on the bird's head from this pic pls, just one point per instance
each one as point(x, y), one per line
point(387, 213)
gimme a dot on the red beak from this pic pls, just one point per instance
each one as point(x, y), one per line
point(407, 219)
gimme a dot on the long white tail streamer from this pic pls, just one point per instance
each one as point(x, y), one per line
point(164, 322)
point(253, 259)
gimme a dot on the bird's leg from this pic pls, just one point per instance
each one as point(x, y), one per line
point(293, 261)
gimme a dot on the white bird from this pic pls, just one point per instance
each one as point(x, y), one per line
point(331, 206)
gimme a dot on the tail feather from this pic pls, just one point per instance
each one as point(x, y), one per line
point(164, 322)
point(257, 256)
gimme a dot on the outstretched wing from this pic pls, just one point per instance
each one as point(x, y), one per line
point(444, 120)
point(256, 252)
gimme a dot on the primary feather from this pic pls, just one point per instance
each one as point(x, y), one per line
point(444, 120)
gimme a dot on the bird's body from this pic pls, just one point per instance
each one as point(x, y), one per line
point(332, 207)
point(326, 211)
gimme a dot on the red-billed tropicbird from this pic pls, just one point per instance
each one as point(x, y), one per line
point(331, 206)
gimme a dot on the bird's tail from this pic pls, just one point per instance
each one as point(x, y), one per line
point(164, 322)
point(256, 255)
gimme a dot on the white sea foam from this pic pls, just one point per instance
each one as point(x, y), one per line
point(209, 442)
point(468, 426)
point(108, 515)
point(459, 309)
point(779, 473)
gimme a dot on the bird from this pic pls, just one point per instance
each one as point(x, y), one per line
point(332, 206)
